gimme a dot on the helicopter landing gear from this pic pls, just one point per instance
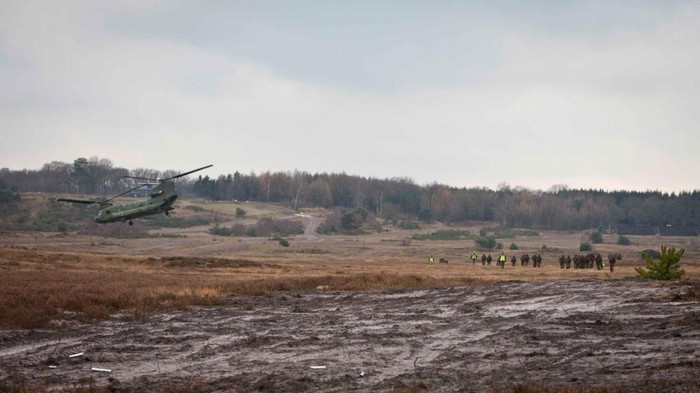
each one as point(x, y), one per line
point(131, 222)
point(167, 213)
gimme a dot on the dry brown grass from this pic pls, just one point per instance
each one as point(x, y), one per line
point(47, 277)
point(38, 288)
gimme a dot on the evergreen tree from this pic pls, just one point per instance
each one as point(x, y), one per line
point(667, 267)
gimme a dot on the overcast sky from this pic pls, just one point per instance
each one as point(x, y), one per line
point(591, 94)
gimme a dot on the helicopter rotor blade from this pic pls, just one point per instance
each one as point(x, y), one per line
point(123, 193)
point(187, 173)
point(139, 178)
point(83, 201)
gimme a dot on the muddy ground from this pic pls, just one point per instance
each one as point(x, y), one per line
point(640, 335)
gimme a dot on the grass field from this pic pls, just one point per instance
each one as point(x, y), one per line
point(50, 277)
point(56, 281)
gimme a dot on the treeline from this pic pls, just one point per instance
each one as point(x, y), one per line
point(98, 176)
point(398, 199)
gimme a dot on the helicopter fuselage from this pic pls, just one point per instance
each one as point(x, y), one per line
point(160, 201)
point(129, 211)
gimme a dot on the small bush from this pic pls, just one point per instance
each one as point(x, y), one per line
point(585, 247)
point(409, 225)
point(281, 241)
point(596, 237)
point(486, 242)
point(220, 231)
point(501, 233)
point(240, 213)
point(444, 234)
point(513, 246)
point(326, 229)
point(350, 222)
point(667, 267)
point(623, 241)
point(267, 227)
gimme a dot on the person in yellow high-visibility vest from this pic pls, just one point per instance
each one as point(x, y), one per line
point(502, 259)
point(431, 259)
point(474, 258)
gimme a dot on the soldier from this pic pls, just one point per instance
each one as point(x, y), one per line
point(483, 259)
point(537, 260)
point(562, 261)
point(513, 260)
point(502, 260)
point(488, 260)
point(474, 258)
point(612, 258)
point(590, 259)
point(568, 261)
point(599, 262)
point(527, 259)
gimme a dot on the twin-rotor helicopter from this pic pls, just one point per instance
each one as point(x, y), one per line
point(160, 200)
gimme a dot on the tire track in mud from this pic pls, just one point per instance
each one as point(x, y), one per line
point(615, 332)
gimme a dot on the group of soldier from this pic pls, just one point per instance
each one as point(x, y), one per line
point(502, 258)
point(588, 261)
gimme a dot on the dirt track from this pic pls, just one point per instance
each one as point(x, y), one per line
point(599, 332)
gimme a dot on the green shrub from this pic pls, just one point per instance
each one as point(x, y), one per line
point(220, 231)
point(596, 237)
point(266, 226)
point(623, 240)
point(585, 247)
point(409, 225)
point(350, 222)
point(667, 267)
point(444, 234)
point(326, 228)
point(281, 241)
point(513, 246)
point(240, 213)
point(509, 233)
point(486, 242)
point(654, 254)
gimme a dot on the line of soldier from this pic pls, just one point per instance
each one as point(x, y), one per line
point(524, 260)
point(588, 261)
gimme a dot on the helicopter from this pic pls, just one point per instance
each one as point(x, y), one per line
point(160, 201)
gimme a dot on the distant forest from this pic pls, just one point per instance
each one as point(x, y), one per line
point(559, 208)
